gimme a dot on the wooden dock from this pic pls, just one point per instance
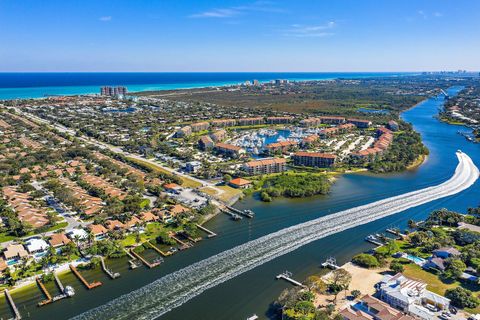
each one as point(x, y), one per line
point(210, 233)
point(49, 298)
point(287, 277)
point(12, 305)
point(164, 254)
point(58, 282)
point(148, 264)
point(111, 274)
point(183, 244)
point(82, 279)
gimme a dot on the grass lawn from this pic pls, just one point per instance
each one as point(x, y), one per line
point(4, 237)
point(228, 193)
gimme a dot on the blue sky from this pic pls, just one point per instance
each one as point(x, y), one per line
point(183, 35)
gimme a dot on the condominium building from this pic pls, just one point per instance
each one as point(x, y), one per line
point(184, 132)
point(310, 122)
point(229, 150)
point(360, 123)
point(279, 120)
point(332, 120)
point(223, 123)
point(265, 166)
point(113, 91)
point(283, 146)
point(314, 159)
point(250, 121)
point(199, 126)
point(205, 143)
point(219, 135)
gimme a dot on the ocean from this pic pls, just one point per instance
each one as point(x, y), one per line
point(36, 85)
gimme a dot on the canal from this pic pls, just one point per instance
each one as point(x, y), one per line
point(253, 291)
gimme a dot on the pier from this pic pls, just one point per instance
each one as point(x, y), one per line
point(45, 292)
point(12, 304)
point(111, 274)
point(396, 232)
point(246, 213)
point(330, 263)
point(82, 279)
point(134, 264)
point(183, 244)
point(164, 254)
point(287, 277)
point(58, 282)
point(234, 216)
point(210, 233)
point(148, 264)
point(373, 240)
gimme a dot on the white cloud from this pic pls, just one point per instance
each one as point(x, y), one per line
point(258, 6)
point(304, 31)
point(438, 14)
point(105, 18)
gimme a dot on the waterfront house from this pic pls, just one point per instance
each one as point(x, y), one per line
point(446, 252)
point(240, 183)
point(15, 251)
point(410, 296)
point(370, 308)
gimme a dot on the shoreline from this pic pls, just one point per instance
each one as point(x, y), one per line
point(417, 162)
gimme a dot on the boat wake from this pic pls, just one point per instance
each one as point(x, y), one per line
point(174, 289)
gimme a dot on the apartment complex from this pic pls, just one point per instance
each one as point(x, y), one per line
point(229, 150)
point(314, 159)
point(332, 120)
point(283, 146)
point(184, 132)
point(310, 122)
point(265, 166)
point(205, 143)
point(279, 120)
point(199, 126)
point(250, 121)
point(223, 123)
point(360, 123)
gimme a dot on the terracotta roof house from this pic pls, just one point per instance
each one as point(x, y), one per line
point(148, 216)
point(97, 229)
point(115, 225)
point(177, 209)
point(240, 183)
point(58, 240)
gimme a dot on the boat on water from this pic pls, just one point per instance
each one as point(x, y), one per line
point(253, 317)
point(69, 291)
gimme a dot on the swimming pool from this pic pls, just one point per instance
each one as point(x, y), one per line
point(415, 259)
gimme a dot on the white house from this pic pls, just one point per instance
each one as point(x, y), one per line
point(36, 245)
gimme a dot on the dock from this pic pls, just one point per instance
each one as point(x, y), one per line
point(234, 216)
point(183, 244)
point(134, 264)
point(287, 277)
point(330, 263)
point(164, 254)
point(373, 240)
point(12, 304)
point(148, 264)
point(82, 279)
point(58, 282)
point(45, 292)
point(111, 274)
point(246, 213)
point(396, 232)
point(210, 233)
